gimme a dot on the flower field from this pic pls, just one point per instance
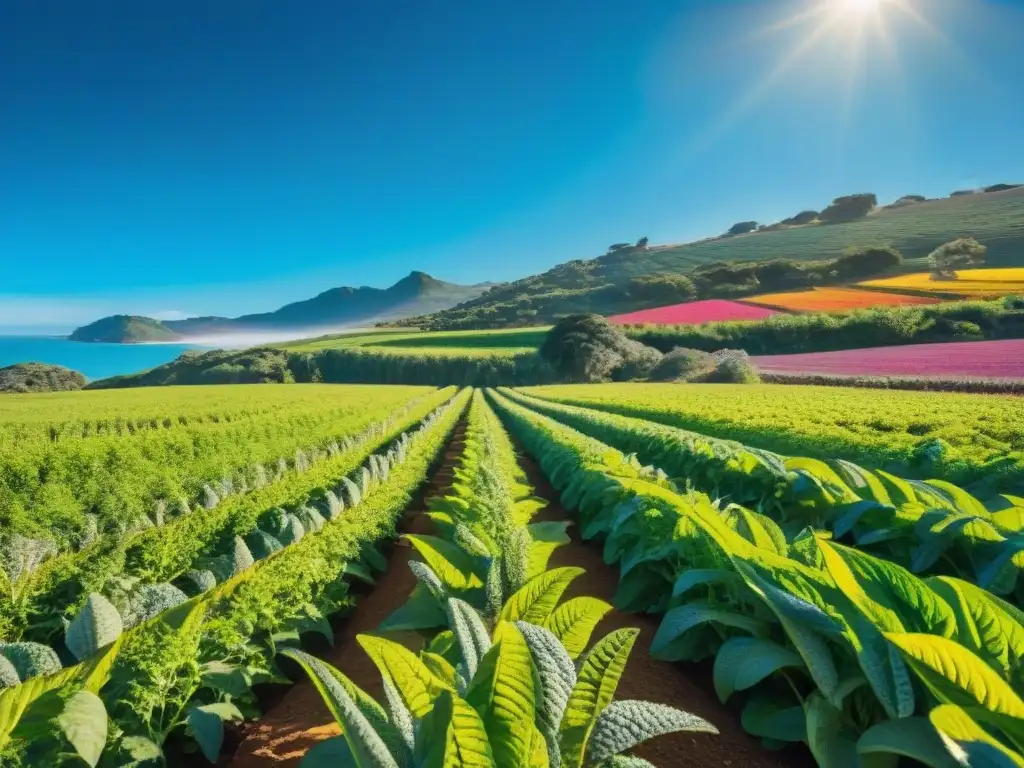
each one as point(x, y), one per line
point(968, 359)
point(693, 312)
point(971, 283)
point(843, 609)
point(834, 300)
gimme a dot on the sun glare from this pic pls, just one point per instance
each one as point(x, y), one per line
point(858, 6)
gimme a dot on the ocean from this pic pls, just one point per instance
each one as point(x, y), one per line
point(95, 361)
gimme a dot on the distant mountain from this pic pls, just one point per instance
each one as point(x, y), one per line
point(416, 294)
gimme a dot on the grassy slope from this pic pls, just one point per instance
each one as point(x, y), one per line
point(996, 219)
point(498, 342)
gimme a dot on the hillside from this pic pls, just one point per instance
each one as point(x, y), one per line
point(39, 377)
point(125, 329)
point(416, 294)
point(602, 284)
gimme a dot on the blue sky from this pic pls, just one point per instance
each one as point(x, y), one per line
point(187, 156)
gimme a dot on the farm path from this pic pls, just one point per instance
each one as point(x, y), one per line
point(684, 686)
point(300, 719)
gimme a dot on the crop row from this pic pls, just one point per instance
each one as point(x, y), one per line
point(927, 526)
point(170, 681)
point(46, 590)
point(496, 679)
point(67, 490)
point(828, 645)
point(963, 438)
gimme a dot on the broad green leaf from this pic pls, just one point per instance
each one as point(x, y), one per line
point(456, 569)
point(465, 745)
point(353, 709)
point(912, 737)
point(743, 662)
point(624, 724)
point(574, 622)
point(83, 721)
point(916, 607)
point(596, 683)
point(440, 667)
point(968, 742)
point(539, 597)
point(556, 678)
point(984, 625)
point(694, 577)
point(801, 621)
point(140, 753)
point(329, 753)
point(503, 693)
point(206, 724)
point(832, 745)
point(768, 718)
point(420, 612)
point(97, 624)
point(678, 621)
point(415, 682)
point(963, 501)
point(470, 632)
point(955, 675)
point(14, 701)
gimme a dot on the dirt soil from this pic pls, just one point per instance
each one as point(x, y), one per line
point(300, 720)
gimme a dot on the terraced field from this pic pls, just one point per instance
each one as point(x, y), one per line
point(582, 586)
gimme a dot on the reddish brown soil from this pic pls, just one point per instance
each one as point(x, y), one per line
point(687, 687)
point(300, 719)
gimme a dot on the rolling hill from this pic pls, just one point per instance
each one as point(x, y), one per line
point(416, 294)
point(602, 284)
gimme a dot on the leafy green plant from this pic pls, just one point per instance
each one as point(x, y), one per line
point(514, 698)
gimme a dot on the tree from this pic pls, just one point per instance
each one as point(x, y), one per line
point(962, 193)
point(665, 289)
point(1001, 187)
point(742, 227)
point(862, 262)
point(618, 247)
point(641, 244)
point(849, 208)
point(957, 254)
point(804, 217)
point(588, 348)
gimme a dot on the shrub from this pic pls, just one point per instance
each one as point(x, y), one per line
point(683, 364)
point(587, 348)
point(638, 360)
point(742, 227)
point(661, 289)
point(804, 217)
point(849, 208)
point(957, 254)
point(1001, 187)
point(962, 193)
point(732, 366)
point(863, 262)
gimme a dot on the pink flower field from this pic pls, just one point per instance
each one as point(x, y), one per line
point(694, 313)
point(974, 359)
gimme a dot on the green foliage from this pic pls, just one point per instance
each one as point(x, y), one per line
point(97, 625)
point(832, 643)
point(963, 253)
point(38, 377)
point(125, 328)
point(588, 348)
point(849, 208)
point(742, 228)
point(682, 364)
point(30, 659)
point(657, 290)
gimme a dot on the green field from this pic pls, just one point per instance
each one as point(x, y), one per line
point(474, 343)
point(959, 436)
point(229, 522)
